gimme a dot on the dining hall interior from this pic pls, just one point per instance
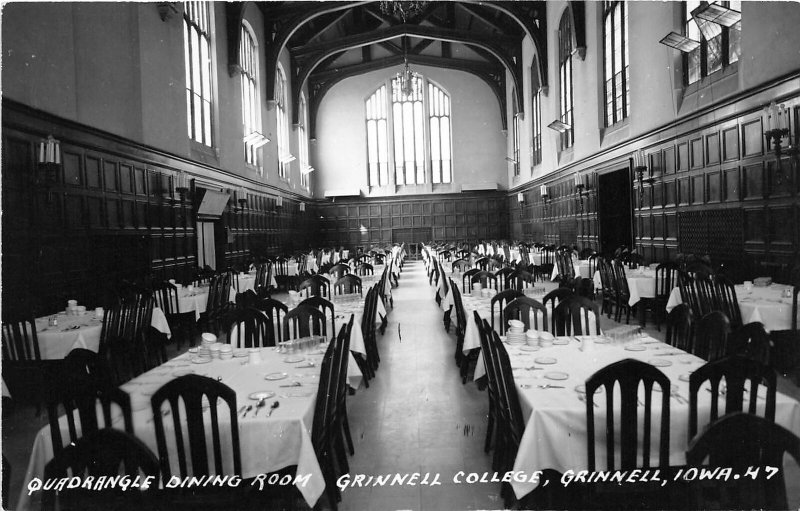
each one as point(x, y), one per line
point(401, 255)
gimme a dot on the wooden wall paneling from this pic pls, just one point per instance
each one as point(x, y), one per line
point(730, 143)
point(752, 137)
point(712, 148)
point(753, 181)
point(682, 163)
point(731, 185)
point(696, 160)
point(713, 188)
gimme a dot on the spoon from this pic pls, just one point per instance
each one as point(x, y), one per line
point(273, 407)
point(249, 407)
point(259, 406)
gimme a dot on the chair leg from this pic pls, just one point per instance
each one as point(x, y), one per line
point(487, 445)
point(346, 428)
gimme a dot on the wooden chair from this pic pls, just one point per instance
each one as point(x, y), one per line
point(623, 293)
point(303, 320)
point(347, 284)
point(323, 433)
point(502, 299)
point(581, 310)
point(519, 279)
point(186, 401)
point(711, 336)
point(246, 299)
point(275, 311)
point(460, 265)
point(181, 324)
point(666, 280)
point(609, 289)
point(105, 452)
point(750, 341)
point(725, 300)
point(364, 269)
point(324, 306)
point(524, 308)
point(466, 279)
point(486, 279)
point(250, 328)
point(785, 355)
point(502, 276)
point(679, 328)
point(636, 381)
point(740, 441)
point(25, 373)
point(337, 271)
point(742, 379)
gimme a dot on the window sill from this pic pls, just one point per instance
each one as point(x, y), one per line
point(203, 152)
point(566, 155)
point(615, 132)
point(703, 83)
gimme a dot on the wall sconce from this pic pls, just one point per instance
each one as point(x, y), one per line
point(48, 164)
point(278, 204)
point(242, 197)
point(302, 207)
point(579, 188)
point(181, 185)
point(777, 128)
point(640, 169)
point(545, 197)
point(521, 202)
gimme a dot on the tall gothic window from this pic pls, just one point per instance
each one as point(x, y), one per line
point(197, 60)
point(441, 157)
point(536, 115)
point(515, 131)
point(302, 143)
point(281, 104)
point(413, 126)
point(715, 53)
point(616, 62)
point(377, 143)
point(251, 101)
point(408, 134)
point(565, 78)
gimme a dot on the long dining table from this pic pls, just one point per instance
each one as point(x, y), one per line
point(268, 442)
point(80, 331)
point(550, 384)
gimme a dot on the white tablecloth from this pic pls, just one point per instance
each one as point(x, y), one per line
point(581, 268)
point(266, 444)
point(55, 342)
point(555, 418)
point(641, 283)
point(763, 304)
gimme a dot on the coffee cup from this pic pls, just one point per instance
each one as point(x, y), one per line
point(254, 356)
point(99, 313)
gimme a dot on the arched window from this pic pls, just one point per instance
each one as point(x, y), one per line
point(281, 103)
point(409, 149)
point(565, 78)
point(515, 131)
point(714, 53)
point(616, 73)
point(197, 61)
point(536, 112)
point(441, 157)
point(251, 100)
point(302, 142)
point(377, 143)
point(419, 117)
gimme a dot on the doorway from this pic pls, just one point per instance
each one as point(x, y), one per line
point(614, 210)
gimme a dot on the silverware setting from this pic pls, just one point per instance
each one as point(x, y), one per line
point(259, 406)
point(272, 408)
point(249, 407)
point(548, 386)
point(670, 354)
point(293, 384)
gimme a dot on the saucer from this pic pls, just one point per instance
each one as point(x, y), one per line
point(545, 360)
point(659, 362)
point(275, 376)
point(293, 360)
point(556, 375)
point(261, 394)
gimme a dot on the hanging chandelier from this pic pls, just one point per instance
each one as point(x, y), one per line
point(403, 10)
point(406, 80)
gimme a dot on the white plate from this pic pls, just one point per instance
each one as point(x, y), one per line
point(293, 360)
point(529, 348)
point(261, 394)
point(201, 360)
point(561, 341)
point(659, 362)
point(545, 360)
point(275, 376)
point(556, 375)
point(635, 347)
point(239, 353)
point(297, 393)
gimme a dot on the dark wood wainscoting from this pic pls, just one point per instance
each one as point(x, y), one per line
point(445, 217)
point(109, 213)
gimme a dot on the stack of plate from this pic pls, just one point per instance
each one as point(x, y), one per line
point(516, 332)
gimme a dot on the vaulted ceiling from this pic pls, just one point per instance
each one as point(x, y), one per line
point(330, 41)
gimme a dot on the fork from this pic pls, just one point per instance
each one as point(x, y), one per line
point(548, 386)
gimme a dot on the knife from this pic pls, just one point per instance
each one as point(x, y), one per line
point(670, 354)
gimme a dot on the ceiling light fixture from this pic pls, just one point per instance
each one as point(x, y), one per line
point(403, 10)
